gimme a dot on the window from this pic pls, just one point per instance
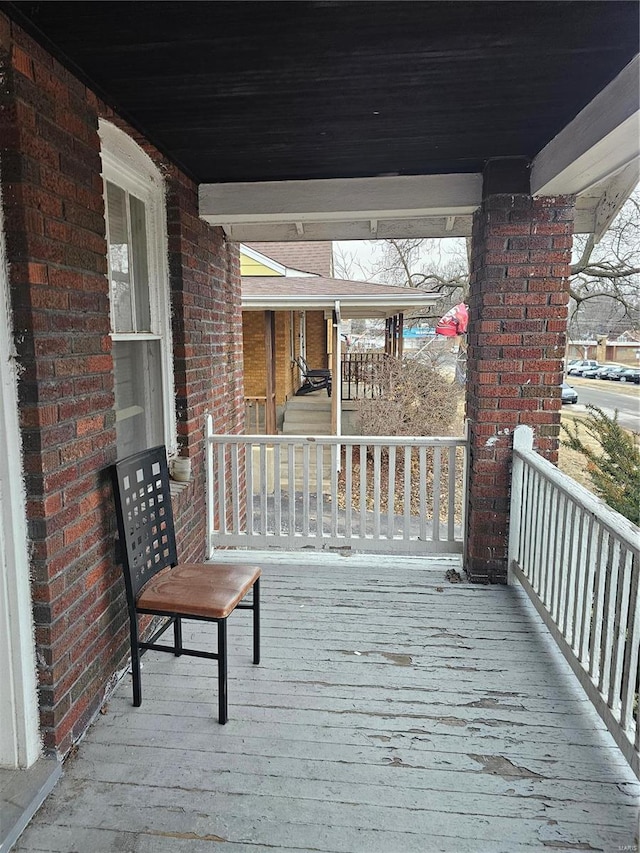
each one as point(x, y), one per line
point(139, 298)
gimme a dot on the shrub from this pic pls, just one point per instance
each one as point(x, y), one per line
point(615, 472)
point(415, 400)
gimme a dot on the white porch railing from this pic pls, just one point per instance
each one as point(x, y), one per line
point(579, 562)
point(399, 495)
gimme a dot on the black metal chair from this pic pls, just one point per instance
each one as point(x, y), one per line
point(158, 585)
point(314, 379)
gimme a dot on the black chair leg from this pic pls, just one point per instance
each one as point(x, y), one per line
point(256, 621)
point(135, 662)
point(177, 636)
point(222, 671)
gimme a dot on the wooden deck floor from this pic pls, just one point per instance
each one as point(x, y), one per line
point(394, 712)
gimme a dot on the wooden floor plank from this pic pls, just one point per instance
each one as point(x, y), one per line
point(393, 712)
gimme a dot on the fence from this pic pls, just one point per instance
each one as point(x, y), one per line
point(361, 374)
point(579, 562)
point(400, 495)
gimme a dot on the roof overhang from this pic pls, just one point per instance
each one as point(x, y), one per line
point(365, 305)
point(595, 157)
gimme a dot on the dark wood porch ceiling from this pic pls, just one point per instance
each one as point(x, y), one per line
point(264, 91)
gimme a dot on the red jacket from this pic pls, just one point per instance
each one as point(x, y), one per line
point(454, 322)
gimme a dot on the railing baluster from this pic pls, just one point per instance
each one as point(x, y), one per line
point(548, 541)
point(619, 630)
point(222, 482)
point(306, 463)
point(249, 477)
point(437, 472)
point(277, 490)
point(376, 491)
point(391, 491)
point(235, 489)
point(584, 582)
point(363, 491)
point(348, 489)
point(608, 612)
point(451, 509)
point(423, 491)
point(263, 489)
point(630, 663)
point(597, 605)
point(291, 485)
point(334, 489)
point(406, 524)
point(558, 553)
point(319, 490)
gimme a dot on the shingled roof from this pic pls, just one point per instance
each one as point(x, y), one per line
point(306, 256)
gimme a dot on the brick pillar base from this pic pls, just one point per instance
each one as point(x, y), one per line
point(518, 300)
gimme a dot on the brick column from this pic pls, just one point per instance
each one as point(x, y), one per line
point(521, 251)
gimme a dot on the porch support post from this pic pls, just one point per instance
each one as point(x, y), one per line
point(400, 335)
point(270, 372)
point(336, 372)
point(521, 251)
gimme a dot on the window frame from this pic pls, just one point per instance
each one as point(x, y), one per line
point(127, 166)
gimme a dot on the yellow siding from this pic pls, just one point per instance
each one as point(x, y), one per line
point(250, 267)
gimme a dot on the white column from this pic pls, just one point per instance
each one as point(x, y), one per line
point(19, 725)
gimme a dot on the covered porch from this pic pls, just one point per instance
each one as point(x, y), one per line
point(394, 710)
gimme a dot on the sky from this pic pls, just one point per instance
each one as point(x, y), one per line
point(366, 252)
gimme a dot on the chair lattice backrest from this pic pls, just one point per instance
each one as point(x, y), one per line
point(145, 517)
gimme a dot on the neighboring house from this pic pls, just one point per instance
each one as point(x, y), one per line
point(289, 312)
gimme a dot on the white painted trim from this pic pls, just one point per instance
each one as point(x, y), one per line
point(351, 306)
point(600, 141)
point(340, 199)
point(125, 164)
point(19, 724)
point(614, 195)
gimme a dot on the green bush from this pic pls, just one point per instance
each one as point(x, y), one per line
point(615, 471)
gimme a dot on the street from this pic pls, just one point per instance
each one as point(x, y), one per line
point(608, 396)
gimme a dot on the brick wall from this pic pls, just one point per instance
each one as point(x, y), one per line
point(517, 333)
point(55, 232)
point(254, 347)
point(316, 340)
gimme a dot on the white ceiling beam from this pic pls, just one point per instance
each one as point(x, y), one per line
point(340, 199)
point(600, 141)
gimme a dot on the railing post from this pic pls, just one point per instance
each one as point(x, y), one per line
point(208, 431)
point(522, 440)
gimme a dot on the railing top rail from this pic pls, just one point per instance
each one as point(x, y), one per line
point(354, 440)
point(620, 527)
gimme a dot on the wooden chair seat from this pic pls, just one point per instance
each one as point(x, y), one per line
point(197, 589)
point(157, 584)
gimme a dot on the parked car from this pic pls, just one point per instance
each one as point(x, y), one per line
point(568, 394)
point(609, 371)
point(578, 367)
point(631, 374)
point(590, 372)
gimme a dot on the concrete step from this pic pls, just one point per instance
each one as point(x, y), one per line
point(305, 428)
point(308, 404)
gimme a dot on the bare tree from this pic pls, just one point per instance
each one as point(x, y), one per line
point(605, 276)
point(604, 283)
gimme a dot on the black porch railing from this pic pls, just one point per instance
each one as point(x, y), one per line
point(361, 374)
